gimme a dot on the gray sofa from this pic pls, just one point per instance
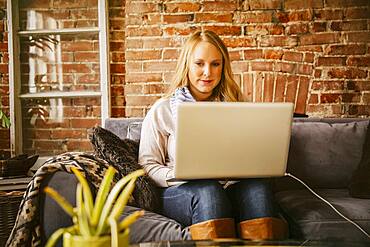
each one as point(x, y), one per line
point(323, 153)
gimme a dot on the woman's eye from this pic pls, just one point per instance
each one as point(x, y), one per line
point(216, 64)
point(199, 63)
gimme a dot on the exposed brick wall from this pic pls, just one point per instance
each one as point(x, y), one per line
point(314, 53)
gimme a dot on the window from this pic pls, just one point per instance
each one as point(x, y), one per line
point(58, 73)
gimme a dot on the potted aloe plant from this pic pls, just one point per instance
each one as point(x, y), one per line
point(97, 223)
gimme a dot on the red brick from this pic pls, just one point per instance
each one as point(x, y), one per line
point(79, 145)
point(143, 31)
point(294, 4)
point(268, 90)
point(300, 15)
point(314, 99)
point(173, 19)
point(225, 30)
point(297, 28)
point(259, 29)
point(281, 17)
point(261, 66)
point(291, 89)
point(240, 66)
point(328, 14)
point(319, 38)
point(318, 27)
point(77, 46)
point(135, 111)
point(331, 61)
point(292, 56)
point(346, 49)
point(143, 54)
point(330, 98)
point(117, 90)
point(359, 61)
point(253, 54)
point(251, 17)
point(309, 57)
point(84, 122)
point(259, 87)
point(116, 24)
point(346, 3)
point(118, 57)
point(68, 133)
point(219, 6)
point(182, 7)
point(117, 46)
point(117, 79)
point(358, 36)
point(117, 68)
point(159, 66)
point(359, 110)
point(118, 112)
point(351, 98)
point(239, 42)
point(285, 67)
point(159, 42)
point(134, 43)
point(133, 89)
point(139, 100)
point(302, 95)
point(358, 85)
point(76, 68)
point(212, 17)
point(143, 77)
point(134, 66)
point(39, 4)
point(317, 73)
point(273, 54)
point(264, 4)
point(140, 7)
point(280, 88)
point(310, 48)
point(327, 85)
point(348, 25)
point(235, 55)
point(183, 30)
point(366, 98)
point(151, 19)
point(278, 41)
point(155, 88)
point(350, 73)
point(4, 134)
point(248, 87)
point(171, 53)
point(86, 56)
point(357, 13)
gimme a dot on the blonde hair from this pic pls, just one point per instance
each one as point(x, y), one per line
point(227, 89)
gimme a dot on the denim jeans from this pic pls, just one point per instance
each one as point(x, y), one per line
point(201, 200)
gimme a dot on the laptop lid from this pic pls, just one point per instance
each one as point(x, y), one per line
point(232, 140)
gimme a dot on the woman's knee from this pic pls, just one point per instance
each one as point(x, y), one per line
point(210, 200)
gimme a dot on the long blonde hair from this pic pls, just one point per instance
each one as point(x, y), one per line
point(227, 89)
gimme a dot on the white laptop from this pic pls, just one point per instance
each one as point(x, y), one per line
point(232, 140)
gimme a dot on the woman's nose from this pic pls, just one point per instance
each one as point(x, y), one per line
point(206, 70)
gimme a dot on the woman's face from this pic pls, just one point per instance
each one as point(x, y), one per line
point(205, 69)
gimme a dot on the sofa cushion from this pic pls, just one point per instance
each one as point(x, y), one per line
point(325, 155)
point(122, 155)
point(311, 218)
point(360, 181)
point(153, 227)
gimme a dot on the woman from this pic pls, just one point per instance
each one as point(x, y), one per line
point(203, 73)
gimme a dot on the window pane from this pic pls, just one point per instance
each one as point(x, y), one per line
point(57, 14)
point(54, 126)
point(60, 63)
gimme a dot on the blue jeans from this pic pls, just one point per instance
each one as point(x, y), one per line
point(201, 200)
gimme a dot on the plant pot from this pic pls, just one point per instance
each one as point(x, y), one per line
point(70, 240)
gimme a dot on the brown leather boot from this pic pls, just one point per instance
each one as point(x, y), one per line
point(267, 228)
point(212, 229)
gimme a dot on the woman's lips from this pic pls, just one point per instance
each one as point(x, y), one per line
point(206, 81)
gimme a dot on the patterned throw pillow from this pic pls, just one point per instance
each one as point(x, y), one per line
point(123, 155)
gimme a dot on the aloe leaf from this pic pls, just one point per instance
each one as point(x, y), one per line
point(66, 206)
point(81, 213)
point(127, 221)
point(114, 232)
point(122, 200)
point(112, 198)
point(102, 195)
point(57, 234)
point(87, 192)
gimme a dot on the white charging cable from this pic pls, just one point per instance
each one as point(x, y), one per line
point(324, 200)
